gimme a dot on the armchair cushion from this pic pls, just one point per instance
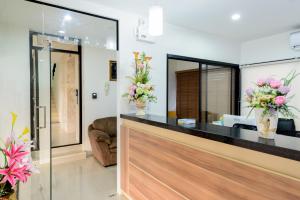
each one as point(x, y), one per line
point(107, 125)
point(113, 143)
point(100, 136)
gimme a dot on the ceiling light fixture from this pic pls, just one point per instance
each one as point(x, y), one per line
point(235, 17)
point(67, 17)
point(156, 21)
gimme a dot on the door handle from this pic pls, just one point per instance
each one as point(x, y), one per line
point(45, 116)
point(77, 95)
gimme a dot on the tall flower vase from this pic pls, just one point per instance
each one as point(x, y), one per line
point(140, 108)
point(266, 123)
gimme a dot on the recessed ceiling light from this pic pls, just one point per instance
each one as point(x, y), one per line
point(235, 17)
point(67, 18)
point(61, 32)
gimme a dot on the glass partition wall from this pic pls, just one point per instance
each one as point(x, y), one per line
point(201, 89)
point(42, 53)
point(218, 96)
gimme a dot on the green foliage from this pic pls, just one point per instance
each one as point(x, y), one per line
point(140, 88)
point(290, 77)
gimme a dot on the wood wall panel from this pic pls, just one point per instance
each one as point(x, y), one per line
point(177, 169)
point(124, 159)
point(151, 188)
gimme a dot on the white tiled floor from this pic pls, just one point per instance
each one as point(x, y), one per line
point(84, 180)
point(78, 180)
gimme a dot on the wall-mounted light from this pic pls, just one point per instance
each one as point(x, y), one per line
point(110, 44)
point(156, 21)
point(236, 17)
point(67, 17)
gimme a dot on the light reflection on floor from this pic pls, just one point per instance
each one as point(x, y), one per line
point(78, 180)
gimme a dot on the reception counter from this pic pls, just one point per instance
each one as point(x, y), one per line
point(163, 160)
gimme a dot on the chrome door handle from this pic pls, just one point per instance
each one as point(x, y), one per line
point(45, 116)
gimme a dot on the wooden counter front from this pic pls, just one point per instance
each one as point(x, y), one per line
point(159, 164)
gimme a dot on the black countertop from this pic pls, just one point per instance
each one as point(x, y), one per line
point(282, 145)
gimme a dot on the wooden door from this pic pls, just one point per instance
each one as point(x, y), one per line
point(187, 95)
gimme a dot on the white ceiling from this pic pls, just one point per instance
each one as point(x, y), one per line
point(93, 31)
point(259, 18)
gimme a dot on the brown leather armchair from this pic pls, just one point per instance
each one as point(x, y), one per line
point(103, 139)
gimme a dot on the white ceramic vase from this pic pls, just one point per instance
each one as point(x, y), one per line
point(266, 123)
point(140, 108)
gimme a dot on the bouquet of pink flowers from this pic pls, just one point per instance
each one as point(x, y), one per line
point(271, 95)
point(16, 163)
point(140, 89)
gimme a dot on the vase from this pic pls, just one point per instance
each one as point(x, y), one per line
point(140, 108)
point(266, 123)
point(11, 196)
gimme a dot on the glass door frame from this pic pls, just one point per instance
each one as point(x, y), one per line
point(35, 133)
point(84, 13)
point(236, 82)
point(78, 91)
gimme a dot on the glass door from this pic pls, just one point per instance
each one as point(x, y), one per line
point(201, 89)
point(43, 180)
point(39, 186)
point(219, 86)
point(26, 84)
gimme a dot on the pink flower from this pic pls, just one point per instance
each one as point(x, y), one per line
point(12, 173)
point(275, 84)
point(131, 93)
point(268, 80)
point(15, 153)
point(284, 89)
point(132, 87)
point(261, 82)
point(280, 100)
point(140, 66)
point(249, 92)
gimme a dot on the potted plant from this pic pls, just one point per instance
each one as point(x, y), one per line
point(141, 91)
point(268, 98)
point(16, 162)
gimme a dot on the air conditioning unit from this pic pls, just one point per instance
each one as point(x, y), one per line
point(295, 40)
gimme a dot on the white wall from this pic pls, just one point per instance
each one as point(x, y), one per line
point(275, 47)
point(14, 78)
point(95, 71)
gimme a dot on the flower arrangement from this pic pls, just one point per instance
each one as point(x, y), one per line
point(141, 91)
point(16, 163)
point(271, 95)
